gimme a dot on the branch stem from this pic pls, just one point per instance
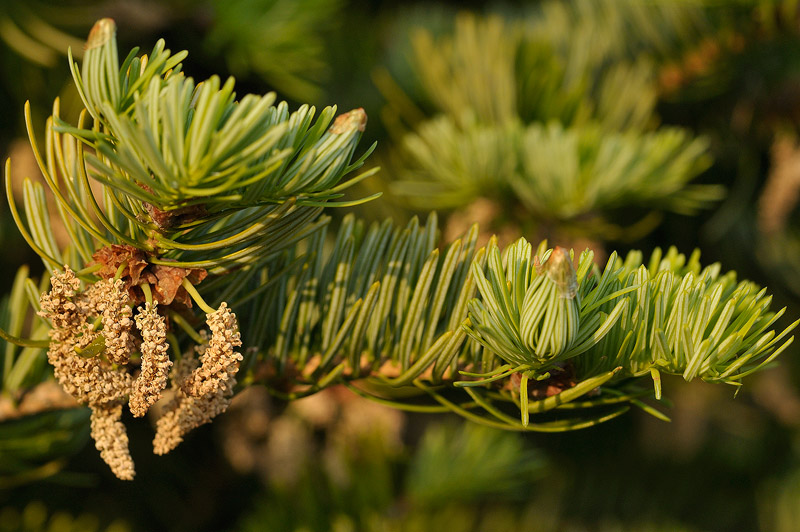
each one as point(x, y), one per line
point(188, 329)
point(195, 295)
point(148, 294)
point(120, 270)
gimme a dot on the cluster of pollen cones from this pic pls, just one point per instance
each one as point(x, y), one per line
point(94, 350)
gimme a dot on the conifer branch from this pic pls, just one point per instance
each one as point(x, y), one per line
point(384, 304)
point(553, 114)
point(206, 198)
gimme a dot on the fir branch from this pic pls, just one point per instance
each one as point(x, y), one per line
point(385, 304)
point(554, 111)
point(185, 168)
point(195, 183)
point(569, 62)
point(556, 173)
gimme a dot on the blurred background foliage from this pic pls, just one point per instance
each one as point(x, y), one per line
point(615, 124)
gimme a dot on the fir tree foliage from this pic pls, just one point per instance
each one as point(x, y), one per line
point(520, 338)
point(282, 41)
point(562, 105)
point(188, 171)
point(555, 173)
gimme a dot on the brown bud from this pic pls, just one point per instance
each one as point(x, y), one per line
point(561, 271)
point(102, 32)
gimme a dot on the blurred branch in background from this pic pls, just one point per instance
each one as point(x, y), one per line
point(551, 116)
point(281, 41)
